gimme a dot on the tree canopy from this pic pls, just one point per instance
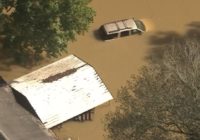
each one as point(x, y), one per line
point(163, 102)
point(38, 26)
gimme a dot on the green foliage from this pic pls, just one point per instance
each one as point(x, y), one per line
point(45, 26)
point(163, 102)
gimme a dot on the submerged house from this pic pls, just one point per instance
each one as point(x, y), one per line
point(16, 123)
point(62, 90)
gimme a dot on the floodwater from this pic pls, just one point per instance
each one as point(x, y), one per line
point(116, 60)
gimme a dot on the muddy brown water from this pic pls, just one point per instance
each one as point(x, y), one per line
point(116, 60)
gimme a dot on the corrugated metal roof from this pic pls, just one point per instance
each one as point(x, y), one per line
point(62, 90)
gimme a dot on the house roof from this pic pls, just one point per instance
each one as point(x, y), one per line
point(62, 90)
point(16, 123)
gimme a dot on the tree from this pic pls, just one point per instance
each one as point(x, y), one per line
point(163, 102)
point(39, 26)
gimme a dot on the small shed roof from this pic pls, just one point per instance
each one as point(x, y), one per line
point(62, 90)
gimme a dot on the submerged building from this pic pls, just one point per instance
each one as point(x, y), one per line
point(62, 90)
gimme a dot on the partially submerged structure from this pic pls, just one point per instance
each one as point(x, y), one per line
point(16, 123)
point(62, 90)
point(121, 28)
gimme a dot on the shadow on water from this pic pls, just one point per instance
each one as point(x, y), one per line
point(161, 40)
point(97, 35)
point(25, 60)
point(4, 64)
point(5, 61)
point(194, 30)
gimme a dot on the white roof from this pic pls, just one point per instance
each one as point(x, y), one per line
point(130, 23)
point(118, 26)
point(62, 90)
point(110, 27)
